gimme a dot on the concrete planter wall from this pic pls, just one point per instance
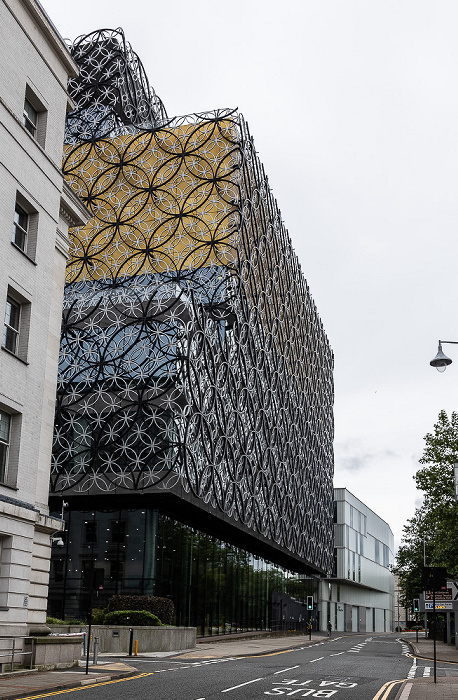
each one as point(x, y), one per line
point(115, 640)
point(54, 652)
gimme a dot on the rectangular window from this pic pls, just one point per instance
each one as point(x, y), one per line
point(21, 227)
point(90, 532)
point(34, 116)
point(25, 226)
point(30, 118)
point(386, 556)
point(12, 323)
point(116, 570)
point(118, 531)
point(5, 429)
point(377, 552)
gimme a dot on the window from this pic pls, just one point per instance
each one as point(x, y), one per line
point(90, 532)
point(118, 531)
point(34, 116)
point(21, 227)
point(377, 552)
point(30, 118)
point(16, 324)
point(5, 429)
point(25, 226)
point(11, 327)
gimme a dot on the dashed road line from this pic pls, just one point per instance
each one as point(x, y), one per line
point(255, 680)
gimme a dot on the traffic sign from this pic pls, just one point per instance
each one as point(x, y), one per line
point(445, 605)
point(440, 595)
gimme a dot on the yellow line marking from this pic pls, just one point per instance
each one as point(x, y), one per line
point(438, 661)
point(386, 689)
point(85, 687)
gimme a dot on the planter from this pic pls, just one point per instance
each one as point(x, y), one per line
point(54, 652)
point(115, 640)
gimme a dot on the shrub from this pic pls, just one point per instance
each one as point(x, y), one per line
point(140, 618)
point(162, 607)
point(98, 615)
point(57, 621)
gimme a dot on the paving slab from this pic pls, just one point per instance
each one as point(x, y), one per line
point(20, 686)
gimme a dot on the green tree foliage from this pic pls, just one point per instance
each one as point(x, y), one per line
point(434, 527)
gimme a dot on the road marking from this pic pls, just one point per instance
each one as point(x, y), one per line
point(406, 691)
point(427, 672)
point(86, 687)
point(413, 669)
point(313, 660)
point(385, 690)
point(286, 669)
point(340, 652)
point(255, 680)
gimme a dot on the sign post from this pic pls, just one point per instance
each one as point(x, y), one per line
point(434, 578)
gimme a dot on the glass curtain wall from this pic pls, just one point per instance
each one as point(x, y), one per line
point(215, 586)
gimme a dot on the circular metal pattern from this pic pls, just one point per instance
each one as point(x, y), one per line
point(192, 354)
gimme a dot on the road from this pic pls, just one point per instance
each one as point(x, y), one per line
point(350, 667)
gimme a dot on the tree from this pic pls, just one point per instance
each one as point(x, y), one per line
point(433, 529)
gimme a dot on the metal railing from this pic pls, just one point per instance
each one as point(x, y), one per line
point(14, 653)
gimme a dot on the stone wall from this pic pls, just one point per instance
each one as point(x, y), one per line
point(116, 639)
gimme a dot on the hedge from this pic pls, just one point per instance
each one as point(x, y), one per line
point(163, 608)
point(141, 618)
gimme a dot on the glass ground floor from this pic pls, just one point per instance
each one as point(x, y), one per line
point(215, 586)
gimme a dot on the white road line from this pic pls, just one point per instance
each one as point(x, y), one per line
point(406, 692)
point(413, 669)
point(255, 680)
point(340, 652)
point(286, 669)
point(427, 672)
point(313, 660)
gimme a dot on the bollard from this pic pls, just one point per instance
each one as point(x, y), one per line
point(96, 650)
point(131, 640)
point(136, 647)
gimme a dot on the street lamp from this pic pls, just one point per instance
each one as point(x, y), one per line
point(441, 361)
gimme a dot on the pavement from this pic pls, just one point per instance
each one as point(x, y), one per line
point(446, 687)
point(28, 684)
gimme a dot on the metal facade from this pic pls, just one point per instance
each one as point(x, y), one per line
point(193, 359)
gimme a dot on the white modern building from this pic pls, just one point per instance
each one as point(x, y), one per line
point(36, 210)
point(360, 595)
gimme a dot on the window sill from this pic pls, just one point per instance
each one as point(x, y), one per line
point(23, 253)
point(13, 354)
point(8, 486)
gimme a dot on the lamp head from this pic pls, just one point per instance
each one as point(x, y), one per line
point(441, 361)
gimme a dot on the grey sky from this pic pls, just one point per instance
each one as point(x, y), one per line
point(354, 111)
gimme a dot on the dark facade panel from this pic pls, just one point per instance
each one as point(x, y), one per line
point(193, 360)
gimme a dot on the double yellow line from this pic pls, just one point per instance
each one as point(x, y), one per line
point(386, 689)
point(84, 687)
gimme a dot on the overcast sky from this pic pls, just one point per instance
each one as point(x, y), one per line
point(354, 110)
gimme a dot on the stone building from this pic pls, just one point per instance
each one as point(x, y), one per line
point(36, 209)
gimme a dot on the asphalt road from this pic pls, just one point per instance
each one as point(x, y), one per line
point(356, 667)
